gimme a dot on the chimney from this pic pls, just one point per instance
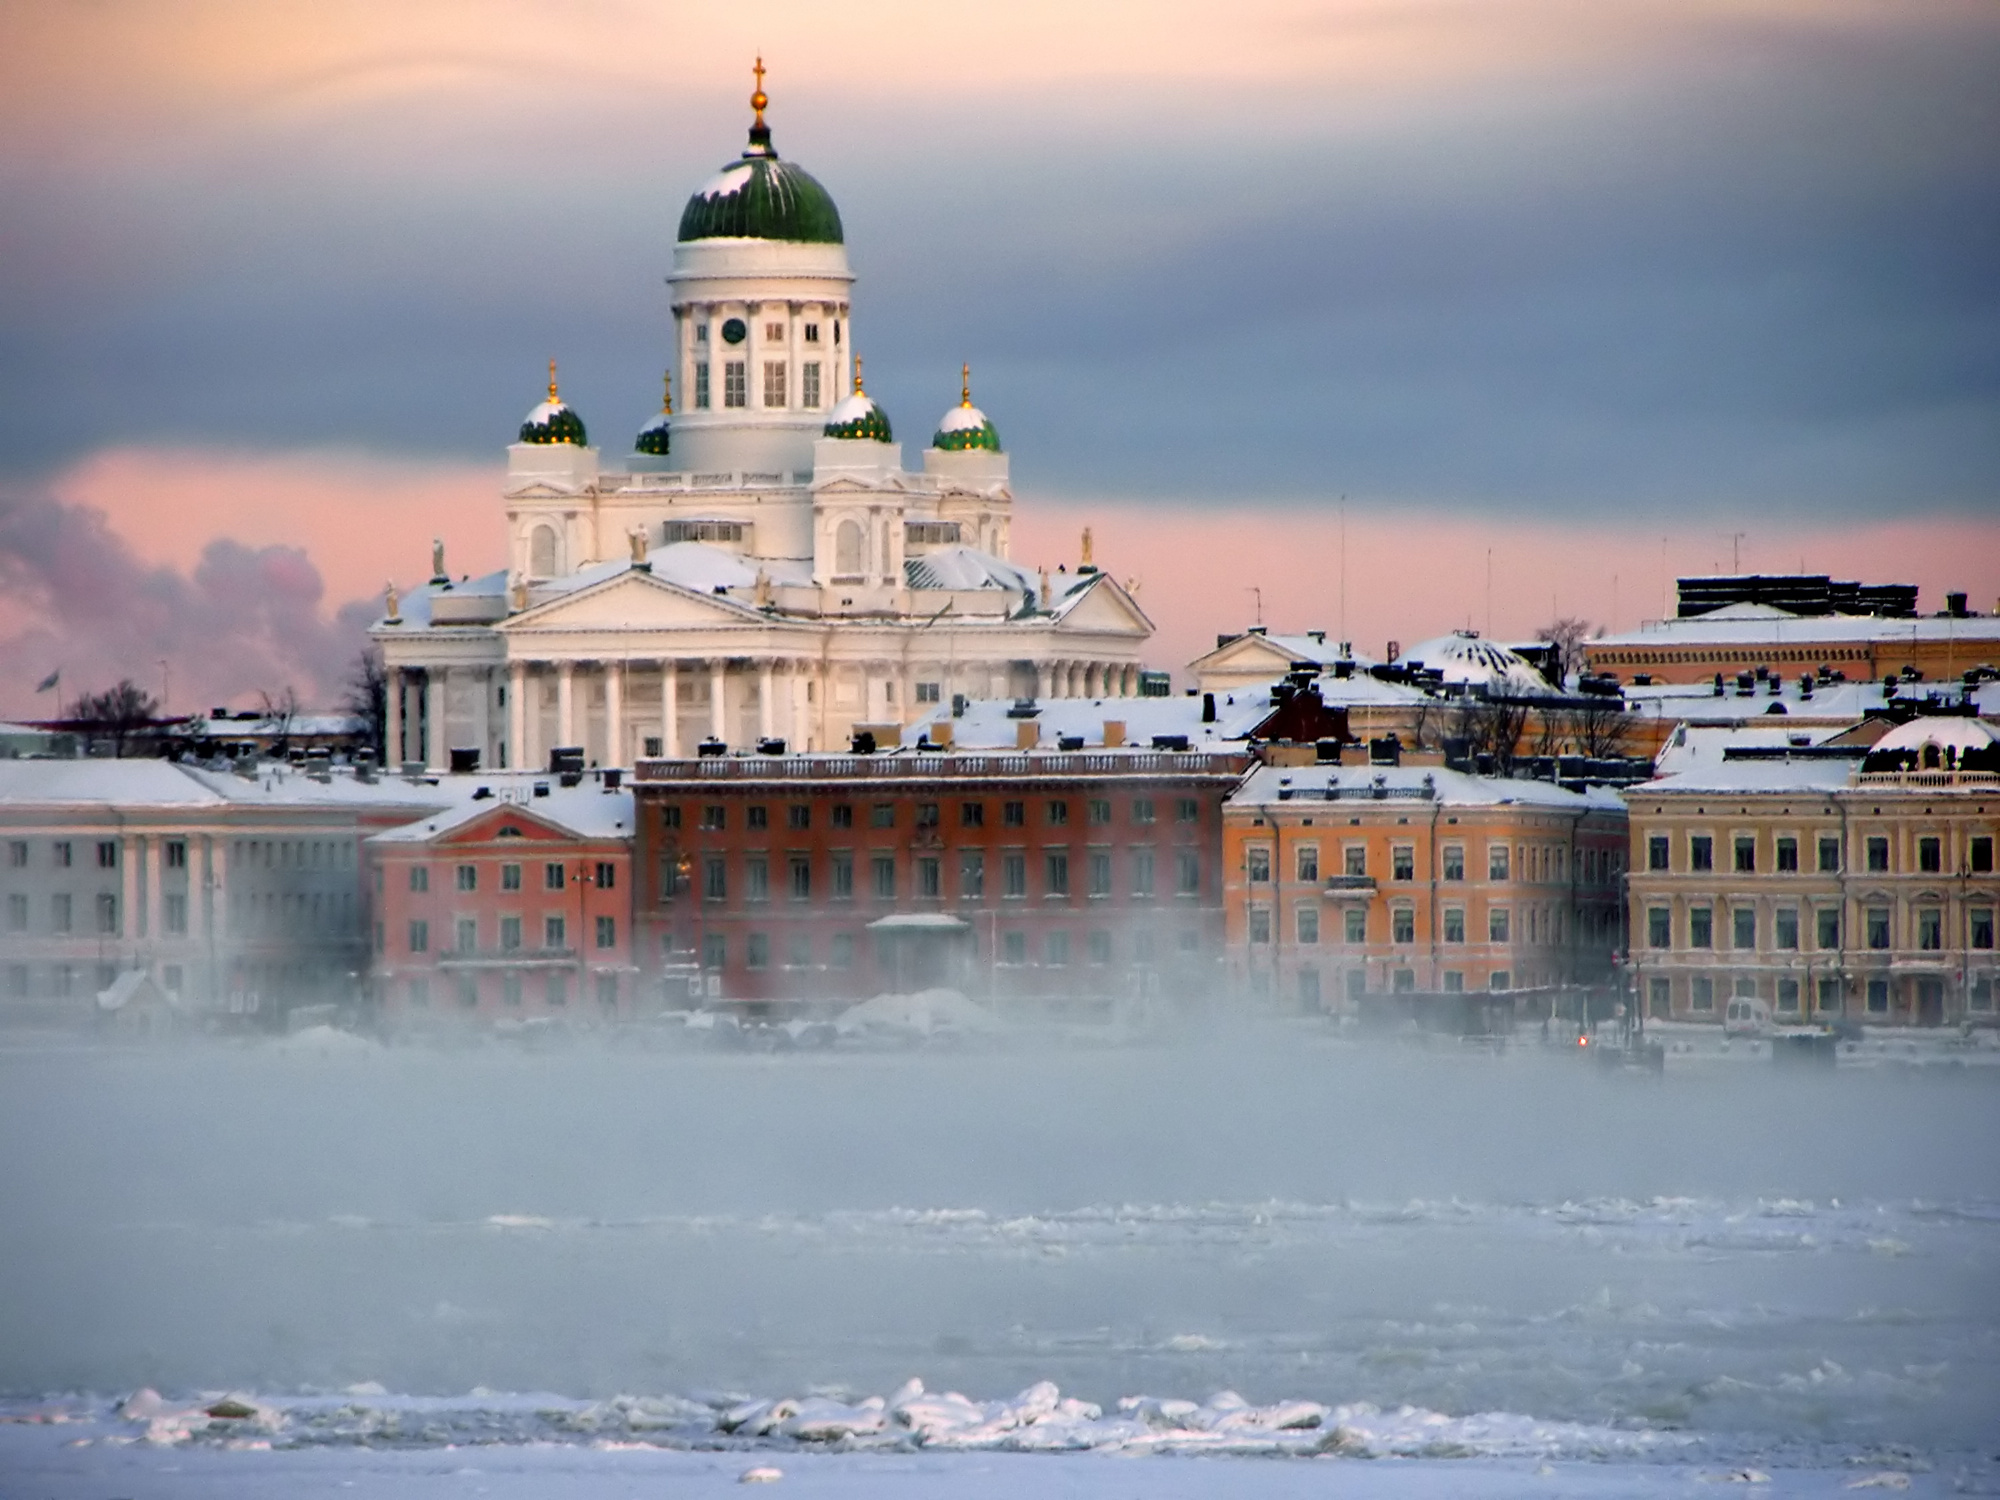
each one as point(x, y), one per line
point(1114, 733)
point(1026, 734)
point(1208, 708)
point(1954, 605)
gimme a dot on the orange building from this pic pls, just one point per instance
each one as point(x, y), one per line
point(1342, 881)
point(512, 908)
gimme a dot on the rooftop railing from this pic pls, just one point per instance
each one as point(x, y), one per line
point(954, 766)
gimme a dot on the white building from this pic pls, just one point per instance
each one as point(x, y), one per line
point(761, 565)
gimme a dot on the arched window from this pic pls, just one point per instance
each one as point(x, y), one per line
point(542, 552)
point(847, 548)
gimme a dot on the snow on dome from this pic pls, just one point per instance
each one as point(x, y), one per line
point(1937, 742)
point(655, 437)
point(858, 417)
point(553, 421)
point(965, 426)
point(1464, 658)
point(761, 198)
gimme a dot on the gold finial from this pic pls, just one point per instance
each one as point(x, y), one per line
point(759, 99)
point(552, 380)
point(857, 377)
point(1086, 548)
point(965, 385)
point(667, 398)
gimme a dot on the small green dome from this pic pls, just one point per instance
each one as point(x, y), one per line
point(553, 421)
point(858, 417)
point(655, 437)
point(965, 427)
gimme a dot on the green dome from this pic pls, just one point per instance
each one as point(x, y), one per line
point(858, 417)
point(655, 437)
point(553, 422)
point(966, 427)
point(759, 197)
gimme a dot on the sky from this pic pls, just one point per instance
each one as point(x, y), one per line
point(1570, 295)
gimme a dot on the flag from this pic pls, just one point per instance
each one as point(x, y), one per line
point(49, 681)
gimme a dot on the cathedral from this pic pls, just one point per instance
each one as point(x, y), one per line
point(761, 568)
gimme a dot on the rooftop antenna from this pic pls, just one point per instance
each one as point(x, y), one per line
point(1343, 568)
point(1736, 550)
point(1489, 592)
point(1260, 602)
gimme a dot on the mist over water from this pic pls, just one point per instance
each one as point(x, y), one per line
point(1805, 1260)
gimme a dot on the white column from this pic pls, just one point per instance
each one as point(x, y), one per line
point(392, 737)
point(670, 707)
point(798, 728)
point(130, 851)
point(155, 902)
point(766, 708)
point(517, 715)
point(1044, 679)
point(434, 739)
point(566, 702)
point(614, 713)
point(482, 716)
point(717, 723)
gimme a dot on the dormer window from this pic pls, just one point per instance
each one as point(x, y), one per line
point(774, 333)
point(812, 333)
point(701, 333)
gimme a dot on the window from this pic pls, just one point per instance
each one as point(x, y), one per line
point(1498, 861)
point(1878, 997)
point(734, 383)
point(714, 818)
point(1498, 923)
point(17, 853)
point(1979, 922)
point(1701, 852)
point(1982, 854)
point(1058, 813)
point(1356, 924)
point(1305, 922)
point(1056, 868)
point(812, 335)
point(843, 876)
point(1260, 924)
point(59, 854)
point(1014, 814)
point(757, 950)
point(1788, 996)
point(552, 877)
point(1142, 872)
point(1659, 927)
point(882, 815)
point(1013, 948)
point(510, 933)
point(107, 913)
point(1878, 854)
point(714, 878)
point(466, 934)
point(555, 932)
point(884, 876)
point(1878, 927)
point(1657, 851)
point(1701, 927)
point(1701, 995)
point(1787, 927)
point(1187, 810)
point(1454, 924)
point(1187, 873)
point(847, 549)
point(799, 816)
point(930, 877)
point(1828, 920)
point(1258, 864)
point(1746, 853)
point(59, 917)
point(177, 854)
point(774, 333)
point(927, 815)
point(510, 877)
point(555, 990)
point(757, 816)
point(701, 378)
point(800, 884)
point(607, 875)
point(1829, 995)
point(1829, 855)
point(1930, 854)
point(929, 692)
point(1100, 872)
point(17, 913)
point(1142, 810)
point(607, 932)
point(1930, 928)
point(1056, 950)
point(1743, 921)
point(420, 937)
point(467, 877)
point(107, 854)
point(1403, 862)
point(1788, 856)
point(1354, 860)
point(1981, 998)
point(420, 878)
point(1099, 811)
point(1306, 861)
point(843, 815)
point(972, 815)
point(809, 380)
point(1454, 861)
point(1659, 998)
point(1014, 875)
point(971, 875)
point(715, 950)
point(774, 382)
point(756, 878)
point(840, 952)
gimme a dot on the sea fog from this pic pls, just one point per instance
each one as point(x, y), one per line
point(1774, 1261)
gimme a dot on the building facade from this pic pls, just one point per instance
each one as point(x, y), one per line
point(513, 907)
point(1346, 881)
point(1760, 638)
point(1828, 884)
point(761, 565)
point(1049, 877)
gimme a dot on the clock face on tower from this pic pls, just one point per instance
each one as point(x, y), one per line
point(733, 331)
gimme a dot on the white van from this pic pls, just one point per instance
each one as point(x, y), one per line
point(1746, 1016)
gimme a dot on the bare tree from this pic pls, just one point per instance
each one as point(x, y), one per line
point(1600, 730)
point(1567, 635)
point(1492, 728)
point(119, 712)
point(279, 715)
point(368, 700)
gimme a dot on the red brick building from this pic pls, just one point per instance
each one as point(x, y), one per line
point(507, 909)
point(1039, 877)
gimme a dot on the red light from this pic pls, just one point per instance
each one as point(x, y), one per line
point(1583, 1041)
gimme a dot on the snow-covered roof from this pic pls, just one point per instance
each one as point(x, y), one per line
point(1946, 731)
point(1464, 659)
point(1694, 747)
point(1737, 625)
point(160, 784)
point(1814, 774)
point(1830, 702)
point(586, 811)
point(987, 723)
point(1269, 785)
point(965, 568)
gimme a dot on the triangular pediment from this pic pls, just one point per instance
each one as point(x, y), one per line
point(1247, 653)
point(632, 600)
point(506, 820)
point(1105, 606)
point(541, 490)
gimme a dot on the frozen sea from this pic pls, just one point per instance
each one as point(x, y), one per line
point(1265, 1264)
